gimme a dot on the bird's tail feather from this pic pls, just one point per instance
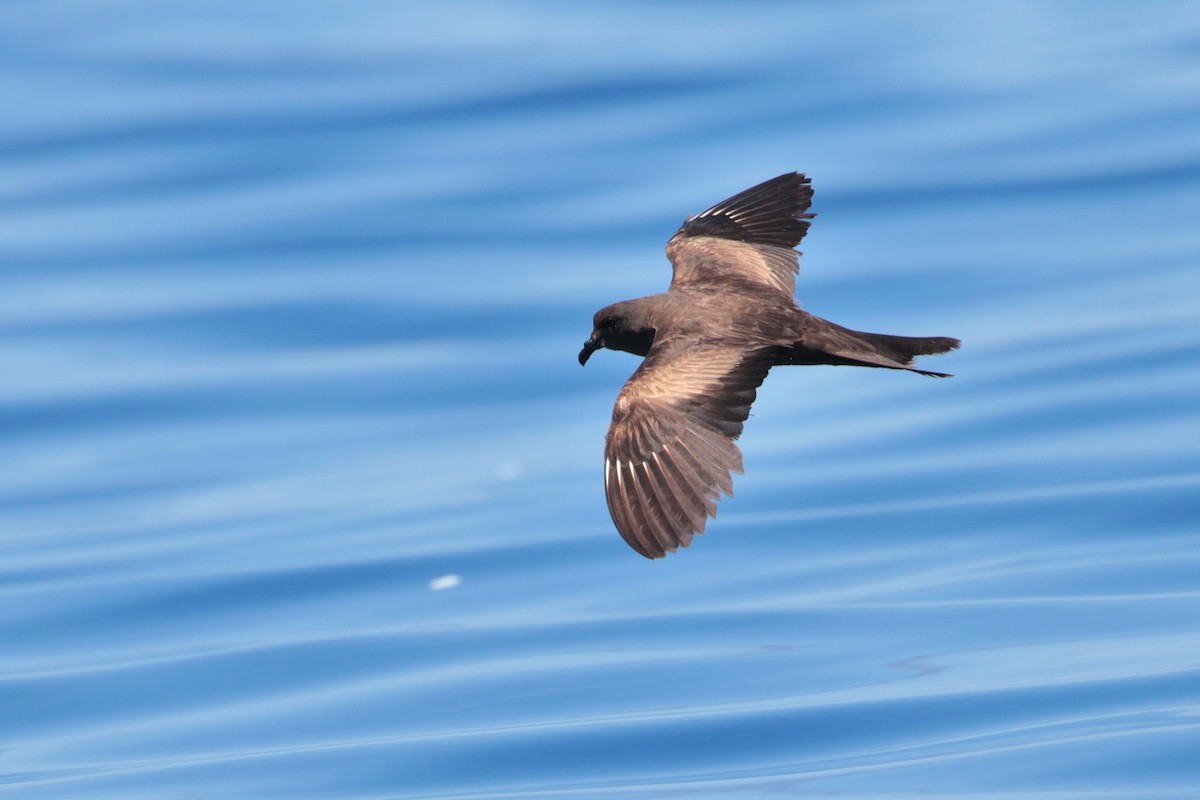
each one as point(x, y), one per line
point(906, 348)
point(825, 342)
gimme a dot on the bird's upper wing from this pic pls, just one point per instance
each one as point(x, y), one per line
point(670, 449)
point(748, 238)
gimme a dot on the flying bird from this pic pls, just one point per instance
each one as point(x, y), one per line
point(708, 342)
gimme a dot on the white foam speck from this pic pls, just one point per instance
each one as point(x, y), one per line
point(445, 582)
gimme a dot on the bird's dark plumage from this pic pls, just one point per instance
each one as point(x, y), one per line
point(774, 212)
point(708, 342)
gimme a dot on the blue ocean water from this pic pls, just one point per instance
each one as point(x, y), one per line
point(302, 489)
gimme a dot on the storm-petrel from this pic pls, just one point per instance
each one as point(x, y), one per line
point(708, 342)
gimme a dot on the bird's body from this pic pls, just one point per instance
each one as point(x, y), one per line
point(708, 343)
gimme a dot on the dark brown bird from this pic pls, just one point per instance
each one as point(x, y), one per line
point(708, 342)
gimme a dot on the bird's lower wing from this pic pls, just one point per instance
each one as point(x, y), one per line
point(663, 481)
point(670, 450)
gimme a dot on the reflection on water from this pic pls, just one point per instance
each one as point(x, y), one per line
point(301, 487)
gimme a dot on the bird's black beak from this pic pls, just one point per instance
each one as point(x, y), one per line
point(590, 346)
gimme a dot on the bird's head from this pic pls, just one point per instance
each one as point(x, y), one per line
point(621, 326)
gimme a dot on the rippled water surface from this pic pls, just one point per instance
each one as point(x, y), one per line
point(301, 487)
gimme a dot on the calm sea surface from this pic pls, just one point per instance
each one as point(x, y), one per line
point(300, 480)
